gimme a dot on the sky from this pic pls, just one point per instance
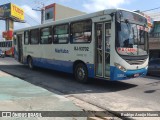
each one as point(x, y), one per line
point(33, 17)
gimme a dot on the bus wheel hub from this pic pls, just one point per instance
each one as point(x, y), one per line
point(81, 73)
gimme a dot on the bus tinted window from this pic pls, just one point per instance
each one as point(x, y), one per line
point(3, 44)
point(7, 44)
point(61, 33)
point(81, 31)
point(46, 36)
point(34, 36)
point(26, 37)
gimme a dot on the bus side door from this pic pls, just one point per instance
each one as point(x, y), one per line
point(102, 38)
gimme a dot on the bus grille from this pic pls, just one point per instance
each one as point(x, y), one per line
point(136, 62)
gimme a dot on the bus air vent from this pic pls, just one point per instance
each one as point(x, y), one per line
point(136, 62)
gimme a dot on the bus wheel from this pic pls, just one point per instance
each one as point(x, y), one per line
point(30, 63)
point(81, 73)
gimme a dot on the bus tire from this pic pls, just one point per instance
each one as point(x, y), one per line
point(81, 73)
point(30, 63)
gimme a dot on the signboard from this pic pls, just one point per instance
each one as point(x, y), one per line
point(10, 10)
point(17, 12)
point(127, 49)
point(5, 10)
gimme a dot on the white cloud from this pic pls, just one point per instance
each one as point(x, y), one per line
point(96, 5)
point(28, 10)
point(29, 22)
point(21, 25)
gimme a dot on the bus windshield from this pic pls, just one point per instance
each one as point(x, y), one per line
point(132, 39)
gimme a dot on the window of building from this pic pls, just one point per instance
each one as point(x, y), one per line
point(34, 36)
point(46, 36)
point(49, 14)
point(26, 37)
point(81, 31)
point(61, 33)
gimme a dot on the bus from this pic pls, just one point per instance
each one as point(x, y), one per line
point(111, 44)
point(7, 47)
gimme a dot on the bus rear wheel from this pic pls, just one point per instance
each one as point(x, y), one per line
point(81, 73)
point(30, 63)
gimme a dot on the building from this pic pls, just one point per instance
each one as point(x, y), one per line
point(55, 12)
point(154, 40)
point(154, 35)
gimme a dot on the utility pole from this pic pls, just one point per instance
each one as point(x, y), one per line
point(42, 10)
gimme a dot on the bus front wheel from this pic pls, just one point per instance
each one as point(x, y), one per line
point(81, 73)
point(30, 63)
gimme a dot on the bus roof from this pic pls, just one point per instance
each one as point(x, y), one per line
point(76, 18)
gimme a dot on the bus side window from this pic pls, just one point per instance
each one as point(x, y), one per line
point(46, 35)
point(34, 36)
point(81, 31)
point(26, 37)
point(61, 34)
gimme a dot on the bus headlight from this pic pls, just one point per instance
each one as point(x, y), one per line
point(120, 67)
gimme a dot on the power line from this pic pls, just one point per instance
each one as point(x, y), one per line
point(29, 16)
point(151, 9)
point(32, 18)
point(42, 10)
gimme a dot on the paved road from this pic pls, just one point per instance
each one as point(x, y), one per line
point(19, 95)
point(134, 94)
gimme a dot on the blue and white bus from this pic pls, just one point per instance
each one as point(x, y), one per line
point(111, 44)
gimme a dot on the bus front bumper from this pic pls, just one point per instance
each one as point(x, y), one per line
point(117, 74)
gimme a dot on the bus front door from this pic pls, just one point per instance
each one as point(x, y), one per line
point(102, 60)
point(20, 48)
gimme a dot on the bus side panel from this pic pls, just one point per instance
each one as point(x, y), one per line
point(64, 66)
point(91, 72)
point(59, 65)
